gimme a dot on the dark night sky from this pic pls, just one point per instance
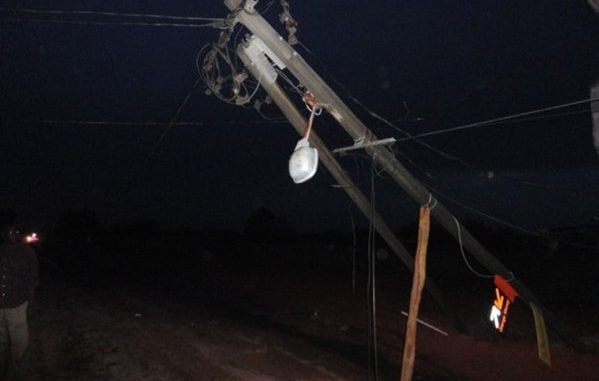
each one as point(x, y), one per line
point(449, 63)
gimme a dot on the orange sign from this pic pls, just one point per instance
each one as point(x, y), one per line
point(505, 295)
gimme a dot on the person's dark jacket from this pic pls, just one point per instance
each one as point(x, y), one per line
point(18, 274)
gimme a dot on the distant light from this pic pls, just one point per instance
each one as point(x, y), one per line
point(32, 238)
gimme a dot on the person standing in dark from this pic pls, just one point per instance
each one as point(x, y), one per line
point(18, 279)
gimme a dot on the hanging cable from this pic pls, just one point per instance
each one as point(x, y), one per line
point(173, 119)
point(371, 286)
point(354, 245)
point(464, 254)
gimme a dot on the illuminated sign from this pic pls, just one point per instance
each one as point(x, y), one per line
point(505, 295)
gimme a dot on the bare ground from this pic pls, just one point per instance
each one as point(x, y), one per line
point(276, 323)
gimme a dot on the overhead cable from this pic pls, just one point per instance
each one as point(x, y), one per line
point(174, 118)
point(382, 119)
point(501, 119)
point(501, 221)
point(150, 124)
point(101, 13)
point(115, 23)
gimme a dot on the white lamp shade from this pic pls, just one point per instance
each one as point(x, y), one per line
point(303, 163)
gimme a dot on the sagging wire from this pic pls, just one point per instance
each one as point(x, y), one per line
point(173, 119)
point(354, 245)
point(457, 223)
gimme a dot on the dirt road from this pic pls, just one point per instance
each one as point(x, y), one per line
point(112, 335)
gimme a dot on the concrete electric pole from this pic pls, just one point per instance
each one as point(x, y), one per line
point(253, 56)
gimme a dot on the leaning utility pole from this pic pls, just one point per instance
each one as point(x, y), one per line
point(254, 59)
point(327, 98)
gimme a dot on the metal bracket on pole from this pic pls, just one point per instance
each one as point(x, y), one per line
point(250, 5)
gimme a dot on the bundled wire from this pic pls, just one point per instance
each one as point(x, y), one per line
point(219, 70)
point(218, 66)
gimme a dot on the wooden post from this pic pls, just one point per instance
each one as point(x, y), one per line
point(409, 349)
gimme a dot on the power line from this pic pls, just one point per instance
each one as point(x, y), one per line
point(174, 118)
point(382, 119)
point(149, 124)
point(115, 23)
point(112, 14)
point(497, 120)
point(501, 221)
point(550, 116)
point(483, 214)
point(438, 151)
point(478, 274)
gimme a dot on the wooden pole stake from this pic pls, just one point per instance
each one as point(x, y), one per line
point(409, 349)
